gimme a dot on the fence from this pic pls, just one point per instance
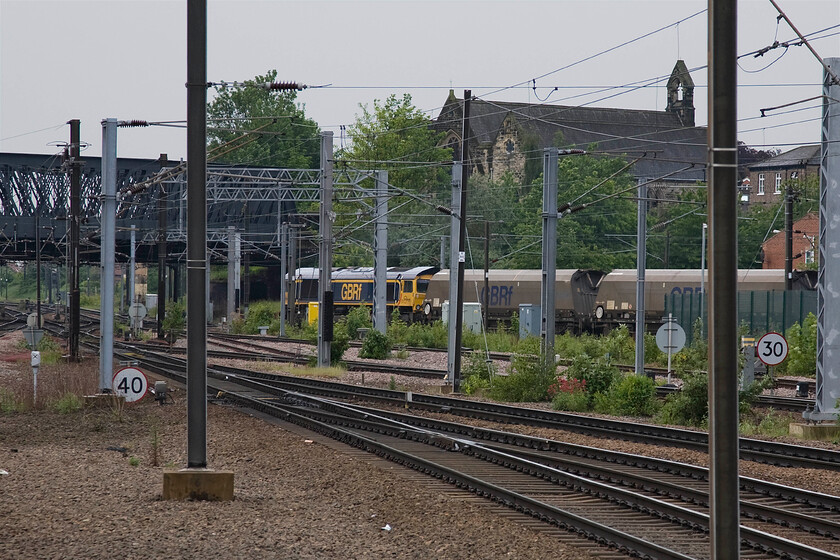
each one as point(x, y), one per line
point(759, 312)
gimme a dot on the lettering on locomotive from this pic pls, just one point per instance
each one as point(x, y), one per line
point(351, 292)
point(499, 295)
point(686, 290)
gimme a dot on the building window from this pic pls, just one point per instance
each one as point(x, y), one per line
point(761, 183)
point(778, 187)
point(809, 256)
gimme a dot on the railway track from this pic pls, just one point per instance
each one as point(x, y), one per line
point(750, 449)
point(629, 504)
point(255, 348)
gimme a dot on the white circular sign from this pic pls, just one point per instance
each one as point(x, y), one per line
point(676, 334)
point(131, 383)
point(137, 311)
point(772, 349)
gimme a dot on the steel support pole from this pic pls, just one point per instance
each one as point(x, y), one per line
point(237, 272)
point(828, 298)
point(196, 233)
point(231, 274)
point(284, 272)
point(293, 242)
point(486, 302)
point(549, 253)
point(326, 217)
point(161, 249)
point(107, 254)
point(38, 265)
point(73, 254)
point(703, 298)
point(454, 265)
point(208, 304)
point(380, 249)
point(788, 239)
point(462, 241)
point(724, 506)
point(641, 267)
point(132, 265)
point(246, 258)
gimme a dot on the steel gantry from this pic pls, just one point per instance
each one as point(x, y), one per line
point(255, 200)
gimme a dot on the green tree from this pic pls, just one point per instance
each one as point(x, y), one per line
point(599, 236)
point(679, 225)
point(253, 125)
point(395, 136)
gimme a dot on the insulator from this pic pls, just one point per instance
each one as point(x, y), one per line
point(283, 86)
point(132, 123)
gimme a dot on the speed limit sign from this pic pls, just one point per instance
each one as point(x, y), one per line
point(772, 349)
point(131, 383)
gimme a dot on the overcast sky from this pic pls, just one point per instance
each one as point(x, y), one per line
point(127, 59)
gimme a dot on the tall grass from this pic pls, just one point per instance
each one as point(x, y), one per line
point(56, 383)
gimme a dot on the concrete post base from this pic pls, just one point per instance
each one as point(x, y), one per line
point(104, 400)
point(822, 432)
point(198, 484)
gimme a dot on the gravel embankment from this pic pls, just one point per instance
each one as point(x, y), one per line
point(74, 490)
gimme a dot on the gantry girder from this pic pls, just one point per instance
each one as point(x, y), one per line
point(255, 200)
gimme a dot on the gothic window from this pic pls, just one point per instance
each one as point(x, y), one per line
point(509, 146)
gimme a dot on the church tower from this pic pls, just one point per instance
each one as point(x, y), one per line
point(681, 94)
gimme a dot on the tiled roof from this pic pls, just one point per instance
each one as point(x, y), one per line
point(797, 157)
point(659, 135)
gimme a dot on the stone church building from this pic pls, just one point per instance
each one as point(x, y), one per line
point(505, 136)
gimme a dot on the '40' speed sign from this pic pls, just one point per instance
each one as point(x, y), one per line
point(131, 383)
point(772, 349)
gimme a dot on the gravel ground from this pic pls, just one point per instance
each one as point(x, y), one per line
point(85, 485)
point(72, 492)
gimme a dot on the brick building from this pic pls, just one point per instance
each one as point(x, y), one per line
point(805, 244)
point(509, 137)
point(768, 178)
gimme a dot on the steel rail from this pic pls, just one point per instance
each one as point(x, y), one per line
point(751, 449)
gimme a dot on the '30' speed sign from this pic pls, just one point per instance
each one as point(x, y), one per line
point(772, 349)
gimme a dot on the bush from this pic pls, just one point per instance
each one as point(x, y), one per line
point(598, 374)
point(694, 357)
point(435, 335)
point(749, 396)
point(9, 402)
point(802, 352)
point(69, 402)
point(476, 373)
point(376, 346)
point(569, 395)
point(397, 329)
point(50, 351)
point(634, 395)
point(340, 343)
point(772, 424)
point(570, 346)
point(529, 378)
point(175, 321)
point(620, 346)
point(690, 406)
point(358, 318)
